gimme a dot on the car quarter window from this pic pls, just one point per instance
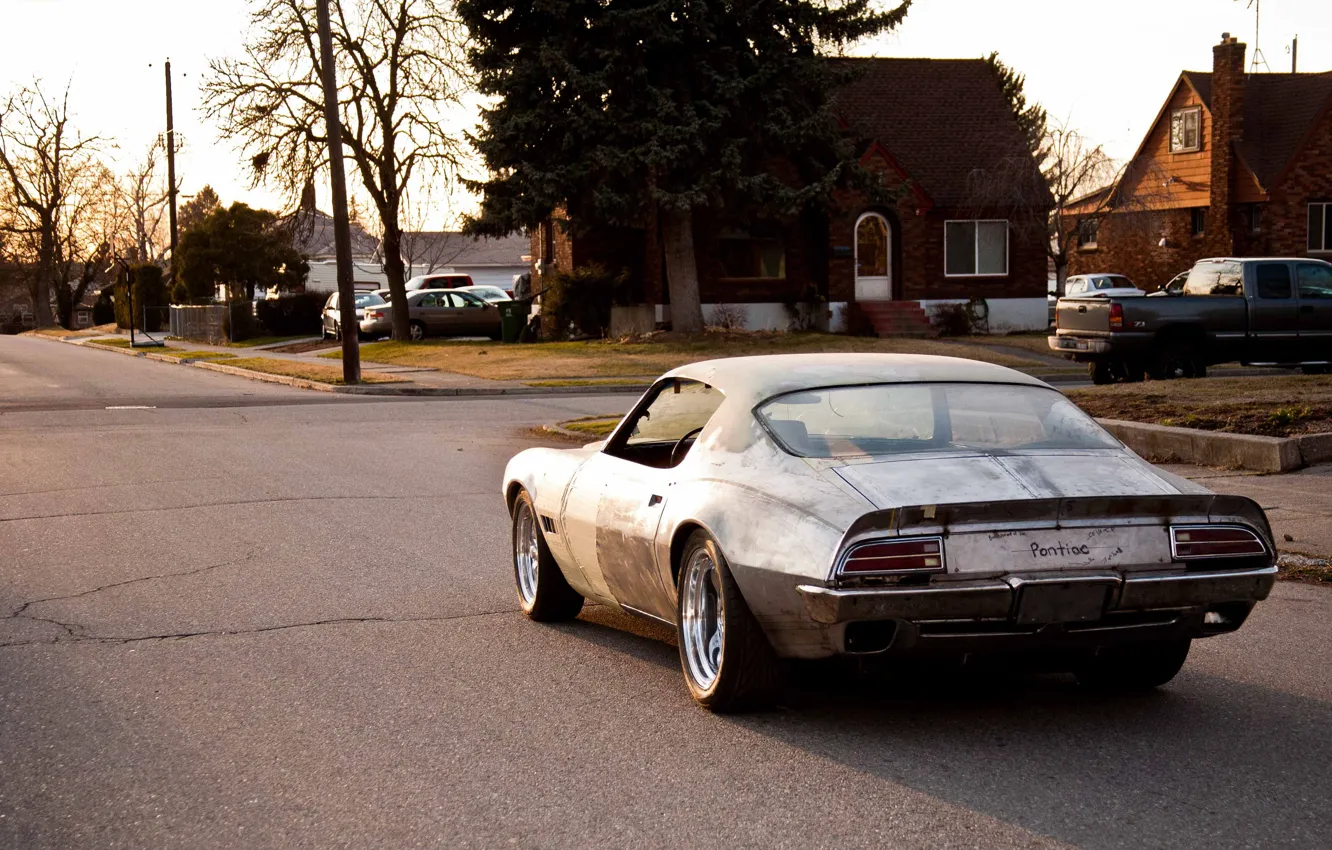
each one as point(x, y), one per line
point(1315, 280)
point(1273, 280)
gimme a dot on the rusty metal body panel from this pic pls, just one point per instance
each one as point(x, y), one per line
point(1037, 543)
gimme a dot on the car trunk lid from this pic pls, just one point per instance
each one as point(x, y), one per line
point(1091, 315)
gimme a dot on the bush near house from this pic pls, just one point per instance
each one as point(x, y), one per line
point(149, 291)
point(582, 298)
point(291, 315)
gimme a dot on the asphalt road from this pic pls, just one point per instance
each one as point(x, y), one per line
point(260, 617)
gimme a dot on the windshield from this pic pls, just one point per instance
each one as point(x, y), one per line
point(368, 299)
point(884, 419)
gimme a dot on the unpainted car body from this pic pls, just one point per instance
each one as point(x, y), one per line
point(1043, 547)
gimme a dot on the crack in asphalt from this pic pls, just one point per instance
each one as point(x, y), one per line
point(77, 514)
point(76, 633)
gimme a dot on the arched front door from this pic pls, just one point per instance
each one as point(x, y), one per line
point(874, 258)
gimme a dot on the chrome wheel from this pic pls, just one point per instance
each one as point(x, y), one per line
point(526, 555)
point(702, 620)
point(417, 331)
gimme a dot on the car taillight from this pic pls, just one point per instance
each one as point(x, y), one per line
point(1214, 541)
point(915, 554)
point(375, 314)
point(1116, 317)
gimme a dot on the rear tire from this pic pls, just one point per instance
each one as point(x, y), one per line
point(1100, 373)
point(1177, 360)
point(543, 592)
point(1135, 667)
point(728, 663)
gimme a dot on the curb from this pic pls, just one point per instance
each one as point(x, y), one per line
point(1166, 444)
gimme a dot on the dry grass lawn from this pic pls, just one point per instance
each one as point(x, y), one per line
point(309, 371)
point(1281, 406)
point(648, 356)
point(1034, 343)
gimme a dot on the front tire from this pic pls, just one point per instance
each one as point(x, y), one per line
point(543, 592)
point(1136, 667)
point(418, 331)
point(728, 663)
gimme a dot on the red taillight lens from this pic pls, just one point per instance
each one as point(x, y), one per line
point(1215, 542)
point(1116, 317)
point(894, 556)
point(374, 314)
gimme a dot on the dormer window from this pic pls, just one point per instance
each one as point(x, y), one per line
point(1186, 130)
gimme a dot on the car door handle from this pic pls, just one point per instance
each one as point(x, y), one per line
point(654, 500)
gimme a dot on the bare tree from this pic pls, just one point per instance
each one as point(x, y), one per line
point(53, 174)
point(401, 73)
point(144, 193)
point(1074, 170)
point(426, 251)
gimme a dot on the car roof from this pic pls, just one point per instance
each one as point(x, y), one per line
point(758, 378)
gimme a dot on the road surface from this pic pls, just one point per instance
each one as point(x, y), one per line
point(261, 617)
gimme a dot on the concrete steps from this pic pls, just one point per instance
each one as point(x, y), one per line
point(898, 318)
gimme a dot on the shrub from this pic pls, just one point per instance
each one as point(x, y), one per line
point(149, 291)
point(103, 310)
point(951, 319)
point(582, 299)
point(239, 322)
point(291, 314)
point(858, 322)
point(729, 317)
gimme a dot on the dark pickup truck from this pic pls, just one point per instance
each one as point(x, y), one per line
point(1261, 312)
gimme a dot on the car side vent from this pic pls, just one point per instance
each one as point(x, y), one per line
point(548, 524)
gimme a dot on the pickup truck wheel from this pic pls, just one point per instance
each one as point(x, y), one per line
point(1101, 373)
point(1136, 667)
point(1177, 361)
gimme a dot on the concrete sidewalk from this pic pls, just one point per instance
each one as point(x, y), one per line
point(1299, 504)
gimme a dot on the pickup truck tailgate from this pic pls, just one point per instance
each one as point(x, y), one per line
point(1083, 314)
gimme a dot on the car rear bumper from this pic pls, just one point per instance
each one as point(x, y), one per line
point(1096, 608)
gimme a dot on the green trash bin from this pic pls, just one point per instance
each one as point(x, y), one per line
point(513, 318)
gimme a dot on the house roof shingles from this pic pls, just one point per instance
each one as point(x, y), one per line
point(1279, 109)
point(453, 248)
point(942, 120)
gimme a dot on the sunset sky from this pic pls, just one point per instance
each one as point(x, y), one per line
point(1104, 68)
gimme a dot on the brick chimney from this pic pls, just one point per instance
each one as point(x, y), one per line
point(1227, 128)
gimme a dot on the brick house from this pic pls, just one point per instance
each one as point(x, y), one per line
point(928, 127)
point(1235, 164)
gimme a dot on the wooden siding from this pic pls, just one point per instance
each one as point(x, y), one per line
point(1155, 165)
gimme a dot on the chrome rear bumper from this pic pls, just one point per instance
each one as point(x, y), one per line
point(1037, 598)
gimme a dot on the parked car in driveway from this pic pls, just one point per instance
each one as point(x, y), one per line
point(1102, 285)
point(1260, 311)
point(371, 322)
point(817, 505)
point(449, 312)
point(493, 294)
point(449, 280)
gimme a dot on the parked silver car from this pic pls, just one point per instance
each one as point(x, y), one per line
point(449, 312)
point(372, 316)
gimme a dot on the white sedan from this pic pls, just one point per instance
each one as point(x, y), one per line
point(806, 506)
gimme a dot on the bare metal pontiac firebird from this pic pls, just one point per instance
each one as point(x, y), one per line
point(805, 506)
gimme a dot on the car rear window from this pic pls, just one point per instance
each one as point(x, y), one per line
point(885, 419)
point(1216, 278)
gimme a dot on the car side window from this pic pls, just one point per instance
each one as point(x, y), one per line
point(1215, 279)
point(1315, 280)
point(430, 300)
point(679, 408)
point(466, 299)
point(1273, 280)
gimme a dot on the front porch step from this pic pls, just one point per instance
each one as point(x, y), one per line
point(898, 318)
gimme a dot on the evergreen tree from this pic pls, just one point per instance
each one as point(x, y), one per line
point(1031, 118)
point(619, 110)
point(242, 248)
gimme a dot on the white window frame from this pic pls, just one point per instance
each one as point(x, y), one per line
point(1309, 234)
point(1181, 112)
point(975, 248)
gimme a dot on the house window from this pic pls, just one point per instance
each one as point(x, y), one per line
point(745, 254)
point(1198, 221)
point(1255, 218)
point(1088, 229)
point(1320, 226)
point(975, 248)
point(1186, 130)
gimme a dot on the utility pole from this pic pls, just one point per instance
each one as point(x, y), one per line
point(1294, 54)
point(351, 351)
point(171, 169)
